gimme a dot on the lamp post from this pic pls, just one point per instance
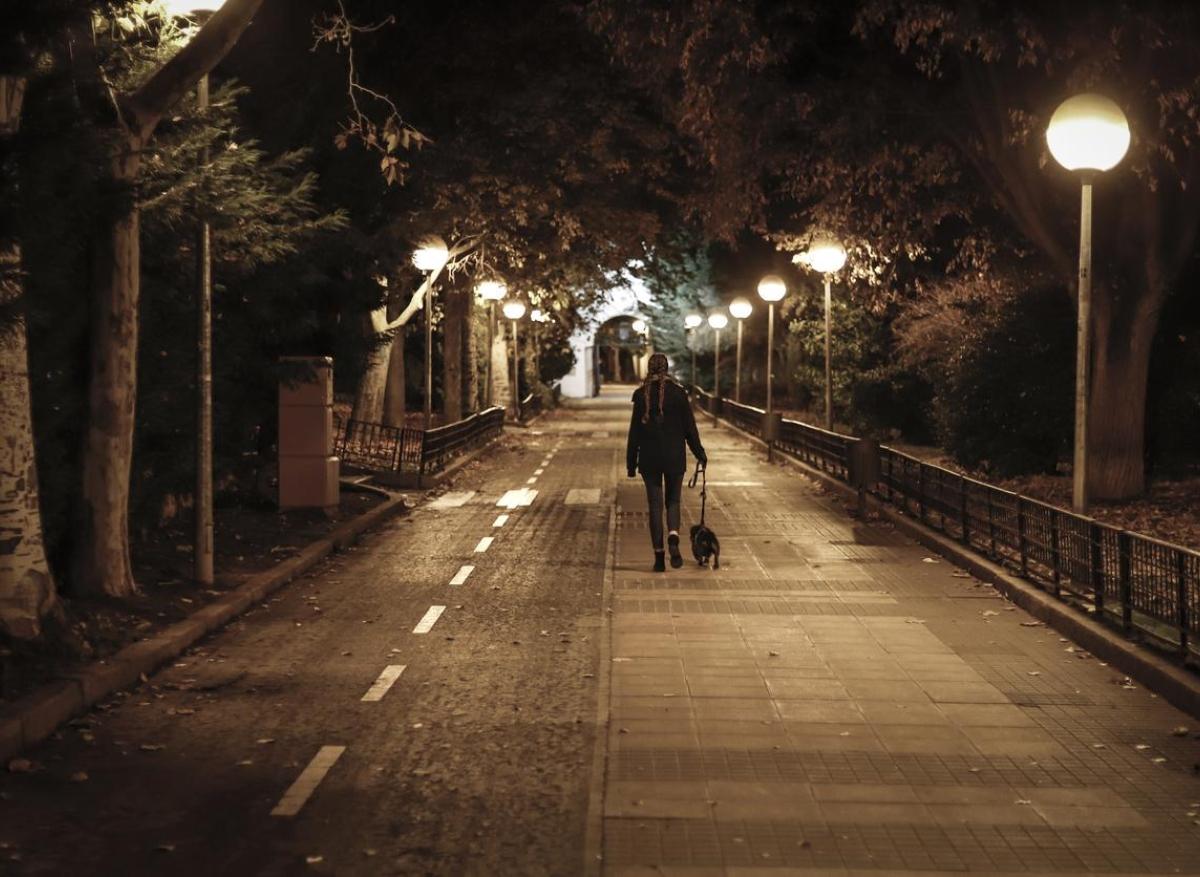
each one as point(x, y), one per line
point(202, 561)
point(1089, 134)
point(491, 291)
point(513, 311)
point(771, 289)
point(717, 321)
point(826, 256)
point(639, 326)
point(740, 308)
point(429, 256)
point(692, 322)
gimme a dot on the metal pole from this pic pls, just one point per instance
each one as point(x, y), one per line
point(203, 552)
point(770, 347)
point(491, 346)
point(1083, 350)
point(716, 373)
point(692, 347)
point(828, 368)
point(516, 380)
point(737, 374)
point(429, 357)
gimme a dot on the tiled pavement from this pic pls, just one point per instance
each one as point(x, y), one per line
point(831, 701)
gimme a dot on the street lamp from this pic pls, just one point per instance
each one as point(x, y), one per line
point(202, 560)
point(514, 310)
point(771, 289)
point(741, 309)
point(429, 256)
point(717, 321)
point(1089, 134)
point(491, 291)
point(692, 322)
point(826, 256)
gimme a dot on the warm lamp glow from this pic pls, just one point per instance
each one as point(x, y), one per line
point(185, 8)
point(513, 310)
point(718, 320)
point(825, 256)
point(691, 321)
point(431, 254)
point(639, 326)
point(741, 308)
point(491, 290)
point(539, 316)
point(772, 288)
point(1088, 132)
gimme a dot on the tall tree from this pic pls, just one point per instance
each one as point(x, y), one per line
point(102, 560)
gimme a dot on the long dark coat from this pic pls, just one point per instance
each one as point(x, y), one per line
point(656, 447)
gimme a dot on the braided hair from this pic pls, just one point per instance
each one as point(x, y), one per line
point(656, 374)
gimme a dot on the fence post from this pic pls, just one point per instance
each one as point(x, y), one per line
point(1097, 553)
point(1125, 564)
point(891, 476)
point(421, 467)
point(921, 491)
point(1055, 553)
point(991, 522)
point(1181, 599)
point(1022, 546)
point(965, 510)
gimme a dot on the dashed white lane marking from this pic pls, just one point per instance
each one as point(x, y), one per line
point(429, 619)
point(452, 500)
point(583, 496)
point(532, 480)
point(600, 434)
point(516, 498)
point(461, 575)
point(381, 685)
point(301, 790)
point(500, 521)
point(539, 471)
point(484, 544)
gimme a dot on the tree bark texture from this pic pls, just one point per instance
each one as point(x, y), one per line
point(27, 592)
point(394, 394)
point(368, 400)
point(454, 325)
point(501, 366)
point(101, 562)
point(471, 359)
point(1123, 334)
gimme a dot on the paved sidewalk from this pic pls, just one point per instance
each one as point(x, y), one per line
point(836, 701)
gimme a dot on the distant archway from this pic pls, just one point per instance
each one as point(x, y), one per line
point(627, 301)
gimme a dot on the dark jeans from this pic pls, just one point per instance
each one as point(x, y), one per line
point(654, 497)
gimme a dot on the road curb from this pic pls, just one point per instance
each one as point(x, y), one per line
point(1158, 675)
point(36, 716)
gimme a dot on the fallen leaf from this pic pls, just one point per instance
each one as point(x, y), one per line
point(930, 560)
point(1034, 673)
point(165, 848)
point(1181, 731)
point(1022, 801)
point(151, 747)
point(20, 765)
point(262, 741)
point(314, 860)
point(1031, 624)
point(1141, 747)
point(987, 613)
point(1158, 760)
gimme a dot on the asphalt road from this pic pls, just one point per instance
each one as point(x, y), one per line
point(474, 758)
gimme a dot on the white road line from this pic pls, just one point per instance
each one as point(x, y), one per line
point(500, 521)
point(381, 685)
point(517, 498)
point(484, 544)
point(429, 620)
point(583, 496)
point(532, 480)
point(301, 790)
point(538, 471)
point(452, 500)
point(461, 575)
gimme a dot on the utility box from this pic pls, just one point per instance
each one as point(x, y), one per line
point(308, 469)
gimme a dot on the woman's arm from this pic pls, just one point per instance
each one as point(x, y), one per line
point(631, 444)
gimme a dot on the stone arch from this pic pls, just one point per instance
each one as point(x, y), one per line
point(621, 301)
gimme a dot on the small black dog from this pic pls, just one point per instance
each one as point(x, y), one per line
point(705, 543)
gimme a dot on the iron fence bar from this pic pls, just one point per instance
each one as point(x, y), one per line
point(1022, 541)
point(1097, 561)
point(1181, 597)
point(964, 505)
point(1124, 564)
point(1055, 555)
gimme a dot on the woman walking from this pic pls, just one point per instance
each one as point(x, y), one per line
point(662, 422)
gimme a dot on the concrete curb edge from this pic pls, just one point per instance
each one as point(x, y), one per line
point(1158, 675)
point(36, 716)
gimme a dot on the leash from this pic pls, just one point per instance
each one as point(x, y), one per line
point(701, 473)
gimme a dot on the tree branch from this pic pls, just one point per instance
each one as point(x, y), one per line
point(417, 302)
point(174, 79)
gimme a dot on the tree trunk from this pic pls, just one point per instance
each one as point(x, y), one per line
point(394, 394)
point(368, 399)
point(27, 592)
point(501, 365)
point(1123, 330)
point(453, 326)
point(101, 562)
point(471, 357)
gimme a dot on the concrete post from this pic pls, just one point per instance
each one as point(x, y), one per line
point(308, 469)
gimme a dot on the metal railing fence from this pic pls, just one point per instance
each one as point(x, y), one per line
point(1142, 584)
point(409, 450)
